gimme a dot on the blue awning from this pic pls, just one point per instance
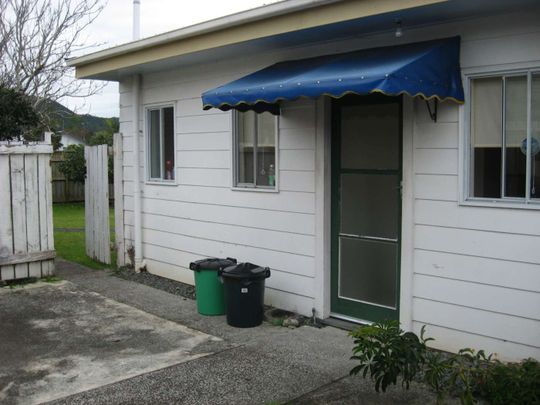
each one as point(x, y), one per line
point(425, 69)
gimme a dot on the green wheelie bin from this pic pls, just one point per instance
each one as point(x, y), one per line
point(208, 285)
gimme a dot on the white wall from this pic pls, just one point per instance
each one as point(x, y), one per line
point(476, 269)
point(476, 279)
point(473, 272)
point(68, 139)
point(202, 216)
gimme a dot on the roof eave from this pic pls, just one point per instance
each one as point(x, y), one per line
point(266, 21)
point(229, 21)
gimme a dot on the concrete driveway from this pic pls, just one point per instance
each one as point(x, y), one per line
point(99, 339)
point(58, 340)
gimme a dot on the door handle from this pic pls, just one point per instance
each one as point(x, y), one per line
point(400, 188)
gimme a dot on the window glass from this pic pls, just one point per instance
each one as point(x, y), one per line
point(155, 144)
point(266, 150)
point(535, 140)
point(245, 140)
point(168, 143)
point(515, 105)
point(161, 143)
point(499, 135)
point(256, 149)
point(486, 137)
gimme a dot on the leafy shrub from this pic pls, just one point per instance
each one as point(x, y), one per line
point(74, 165)
point(459, 375)
point(56, 140)
point(387, 353)
point(514, 383)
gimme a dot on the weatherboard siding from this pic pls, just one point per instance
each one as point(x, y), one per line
point(475, 278)
point(202, 216)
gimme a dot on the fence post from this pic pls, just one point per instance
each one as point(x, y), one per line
point(47, 138)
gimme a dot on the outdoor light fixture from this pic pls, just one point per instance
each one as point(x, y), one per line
point(399, 30)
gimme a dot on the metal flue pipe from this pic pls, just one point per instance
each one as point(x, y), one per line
point(135, 94)
point(136, 19)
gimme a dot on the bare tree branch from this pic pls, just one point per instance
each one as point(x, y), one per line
point(36, 37)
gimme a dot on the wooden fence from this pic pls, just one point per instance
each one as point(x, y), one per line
point(64, 190)
point(96, 205)
point(26, 224)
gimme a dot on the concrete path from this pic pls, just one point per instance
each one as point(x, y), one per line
point(185, 358)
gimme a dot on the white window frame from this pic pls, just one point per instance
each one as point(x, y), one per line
point(466, 197)
point(249, 186)
point(147, 109)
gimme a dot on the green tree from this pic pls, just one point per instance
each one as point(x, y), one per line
point(113, 124)
point(17, 116)
point(101, 138)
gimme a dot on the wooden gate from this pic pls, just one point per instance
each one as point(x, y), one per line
point(26, 225)
point(96, 203)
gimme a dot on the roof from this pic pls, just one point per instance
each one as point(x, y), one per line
point(287, 23)
point(274, 19)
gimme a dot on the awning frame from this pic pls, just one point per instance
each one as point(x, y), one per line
point(432, 113)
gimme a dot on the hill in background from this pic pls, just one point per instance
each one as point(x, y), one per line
point(82, 126)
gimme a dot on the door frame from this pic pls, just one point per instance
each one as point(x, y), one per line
point(378, 312)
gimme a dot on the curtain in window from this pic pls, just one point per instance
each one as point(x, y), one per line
point(246, 147)
point(266, 147)
point(486, 136)
point(515, 132)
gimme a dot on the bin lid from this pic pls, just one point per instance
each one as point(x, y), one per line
point(212, 263)
point(245, 271)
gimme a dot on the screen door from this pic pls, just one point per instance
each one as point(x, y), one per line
point(366, 207)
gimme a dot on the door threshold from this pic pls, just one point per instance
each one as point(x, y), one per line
point(344, 322)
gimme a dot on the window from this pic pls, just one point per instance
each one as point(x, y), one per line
point(255, 150)
point(505, 137)
point(160, 129)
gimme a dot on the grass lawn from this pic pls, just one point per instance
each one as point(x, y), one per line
point(70, 245)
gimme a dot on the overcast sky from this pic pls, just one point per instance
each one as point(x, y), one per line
point(114, 27)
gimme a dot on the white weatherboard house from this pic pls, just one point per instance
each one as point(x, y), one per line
point(388, 168)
